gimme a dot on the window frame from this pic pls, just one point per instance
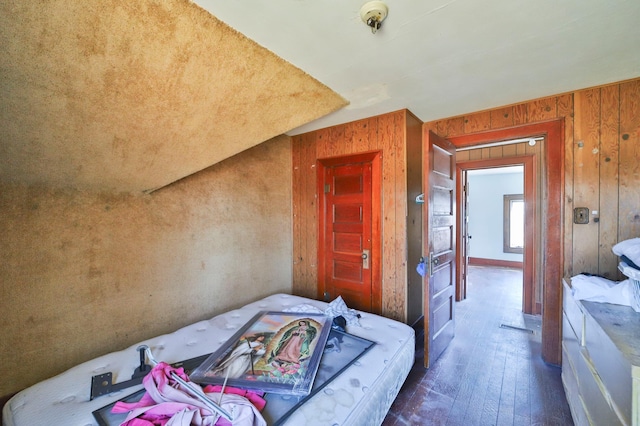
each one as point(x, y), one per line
point(506, 231)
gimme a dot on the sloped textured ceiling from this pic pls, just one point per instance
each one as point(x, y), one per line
point(133, 95)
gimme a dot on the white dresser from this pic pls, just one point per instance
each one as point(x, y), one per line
point(600, 361)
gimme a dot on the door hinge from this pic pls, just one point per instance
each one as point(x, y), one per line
point(327, 188)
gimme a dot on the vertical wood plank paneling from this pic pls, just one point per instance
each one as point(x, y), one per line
point(372, 125)
point(608, 206)
point(586, 180)
point(300, 191)
point(477, 122)
point(475, 154)
point(452, 127)
point(629, 208)
point(541, 110)
point(509, 150)
point(463, 155)
point(399, 140)
point(360, 136)
point(348, 146)
point(309, 223)
point(495, 152)
point(323, 142)
point(433, 126)
point(304, 224)
point(520, 114)
point(312, 221)
point(337, 140)
point(565, 109)
point(501, 117)
point(386, 129)
point(350, 138)
point(521, 149)
point(296, 193)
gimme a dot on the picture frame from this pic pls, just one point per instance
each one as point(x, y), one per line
point(341, 351)
point(274, 352)
point(279, 406)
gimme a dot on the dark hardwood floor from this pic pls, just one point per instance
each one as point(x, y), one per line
point(492, 373)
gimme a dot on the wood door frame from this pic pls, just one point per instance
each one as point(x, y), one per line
point(375, 158)
point(553, 211)
point(529, 191)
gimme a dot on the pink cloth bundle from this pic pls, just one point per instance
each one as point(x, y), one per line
point(167, 403)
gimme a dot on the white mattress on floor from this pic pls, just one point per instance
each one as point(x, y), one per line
point(361, 395)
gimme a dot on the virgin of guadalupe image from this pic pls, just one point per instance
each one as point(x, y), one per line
point(242, 359)
point(294, 344)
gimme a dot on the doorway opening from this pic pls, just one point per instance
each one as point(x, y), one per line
point(485, 184)
point(495, 226)
point(548, 249)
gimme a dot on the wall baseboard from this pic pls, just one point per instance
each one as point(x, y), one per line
point(479, 261)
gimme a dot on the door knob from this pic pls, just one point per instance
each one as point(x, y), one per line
point(365, 259)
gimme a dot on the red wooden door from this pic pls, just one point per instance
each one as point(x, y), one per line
point(347, 235)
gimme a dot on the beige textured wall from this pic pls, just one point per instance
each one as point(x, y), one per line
point(83, 274)
point(123, 95)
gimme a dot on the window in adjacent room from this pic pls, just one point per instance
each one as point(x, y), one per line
point(513, 223)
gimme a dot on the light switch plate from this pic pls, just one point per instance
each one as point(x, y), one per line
point(581, 215)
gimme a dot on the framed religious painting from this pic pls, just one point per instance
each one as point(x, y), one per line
point(340, 352)
point(274, 352)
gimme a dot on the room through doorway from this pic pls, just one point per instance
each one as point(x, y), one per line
point(491, 192)
point(486, 149)
point(495, 222)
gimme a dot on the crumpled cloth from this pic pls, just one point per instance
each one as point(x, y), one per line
point(335, 309)
point(602, 290)
point(339, 308)
point(167, 403)
point(630, 249)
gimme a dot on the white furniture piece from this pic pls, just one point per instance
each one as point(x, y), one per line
point(361, 395)
point(600, 361)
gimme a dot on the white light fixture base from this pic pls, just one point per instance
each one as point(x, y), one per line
point(373, 13)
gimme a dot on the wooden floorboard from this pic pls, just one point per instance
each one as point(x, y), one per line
point(492, 373)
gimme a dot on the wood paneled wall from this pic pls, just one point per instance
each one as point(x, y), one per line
point(389, 134)
point(601, 167)
point(601, 172)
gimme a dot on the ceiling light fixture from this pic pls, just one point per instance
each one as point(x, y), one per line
point(373, 13)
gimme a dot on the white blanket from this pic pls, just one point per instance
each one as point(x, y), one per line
point(598, 289)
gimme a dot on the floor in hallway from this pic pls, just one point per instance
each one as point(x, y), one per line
point(492, 373)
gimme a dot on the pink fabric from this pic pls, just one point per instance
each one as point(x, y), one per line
point(166, 403)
